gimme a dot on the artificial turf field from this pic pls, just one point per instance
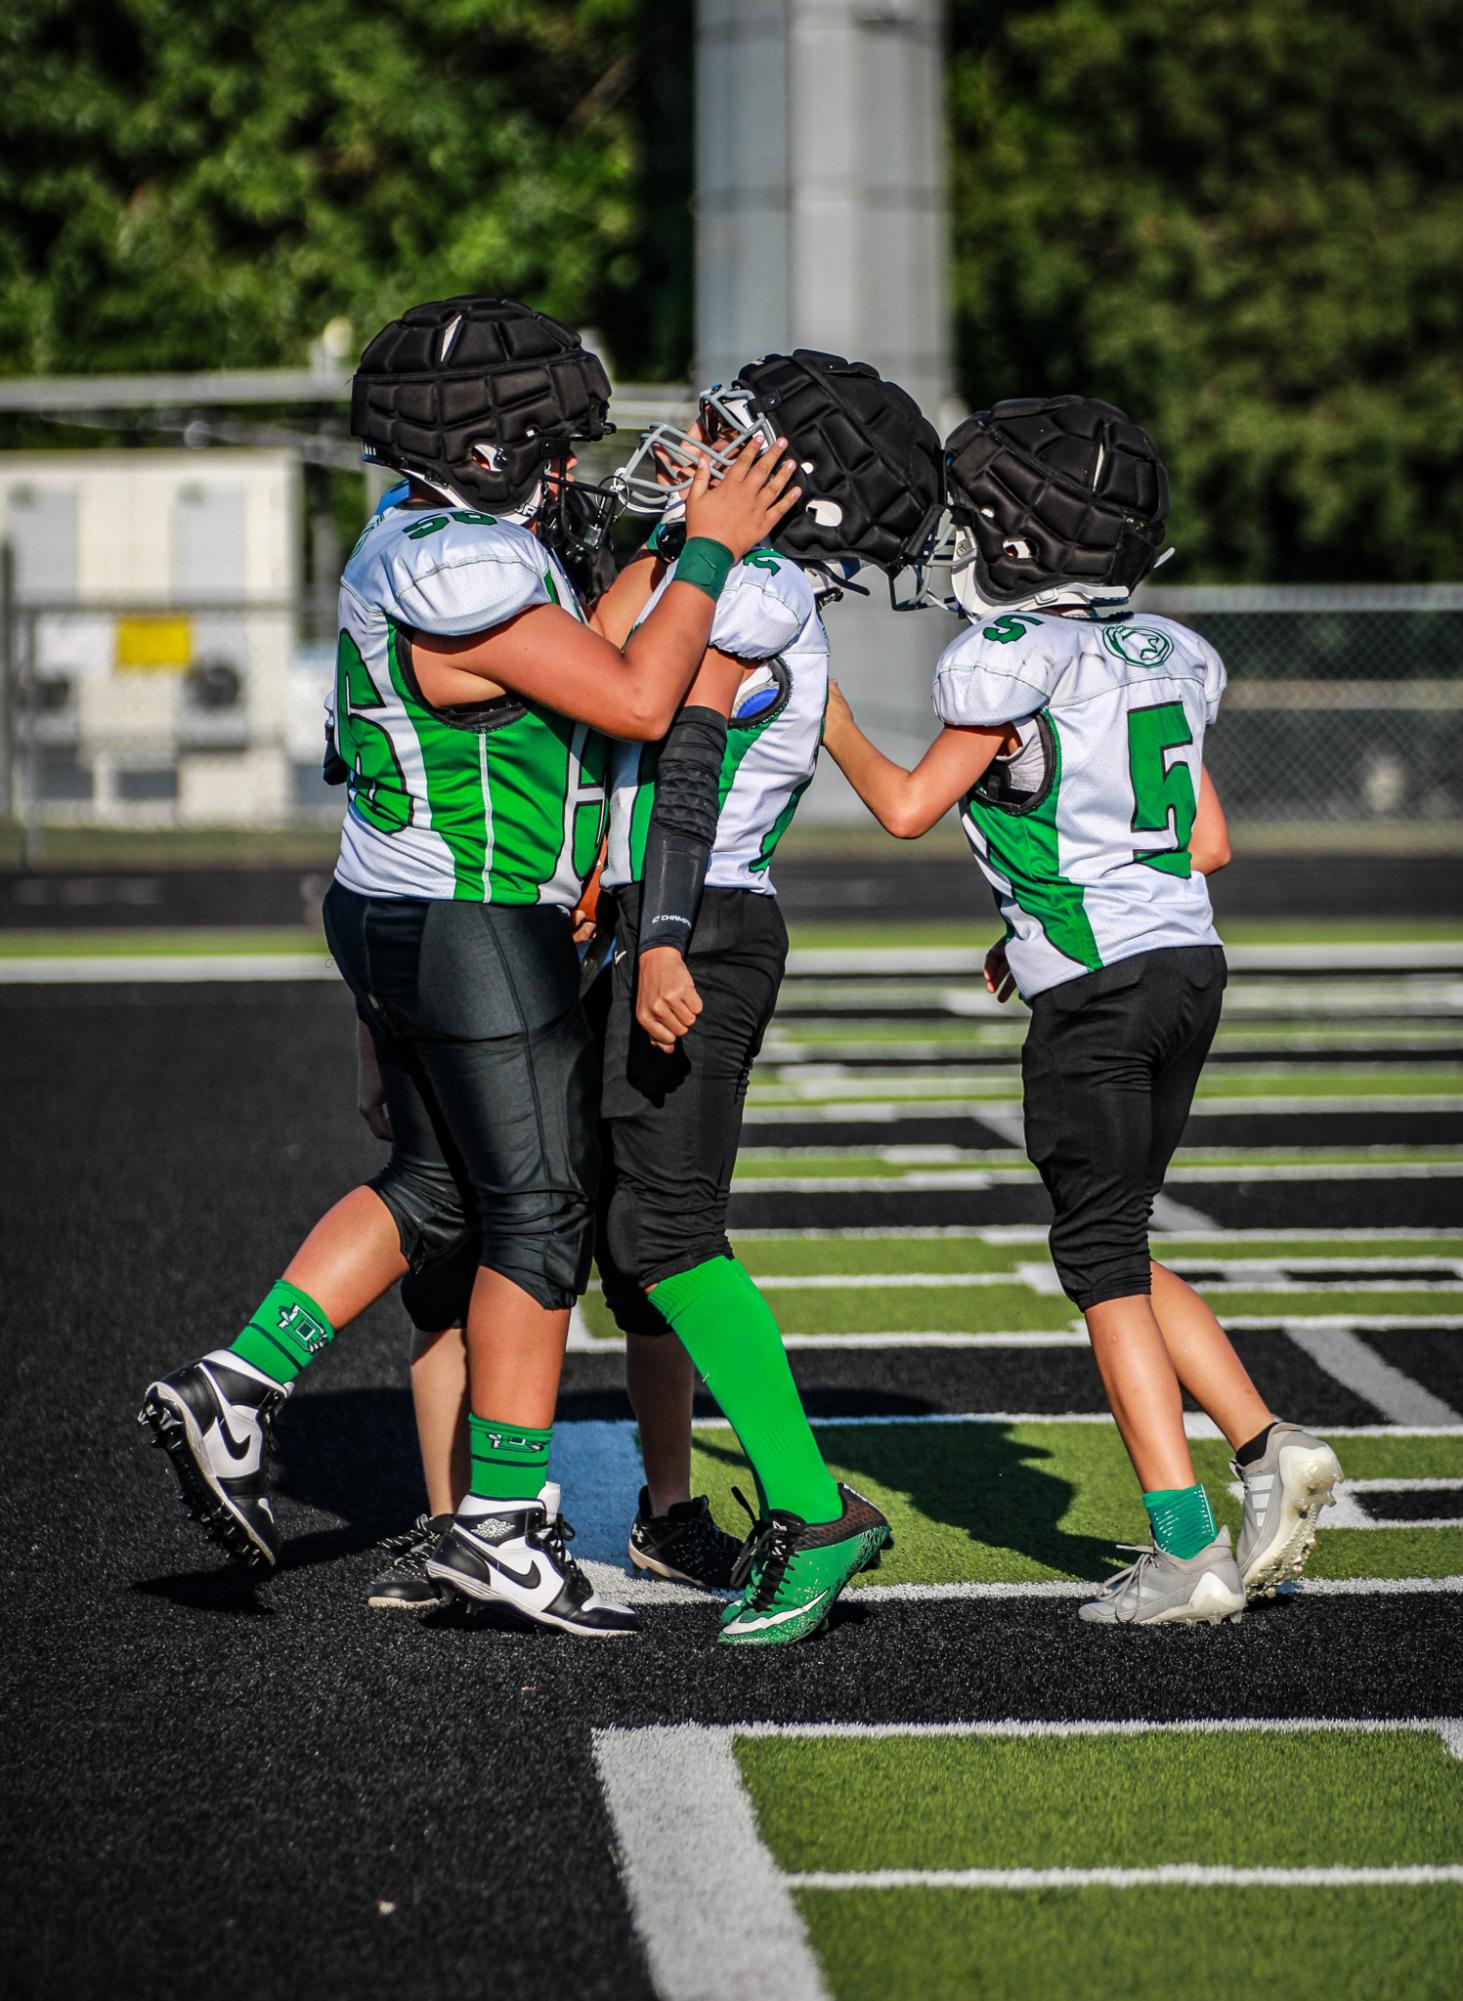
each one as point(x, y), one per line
point(959, 1790)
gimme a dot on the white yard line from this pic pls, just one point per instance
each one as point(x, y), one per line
point(713, 1911)
point(1446, 1727)
point(1196, 1425)
point(833, 1110)
point(1172, 1875)
point(952, 961)
point(139, 968)
point(1035, 1233)
point(716, 1914)
point(1350, 1361)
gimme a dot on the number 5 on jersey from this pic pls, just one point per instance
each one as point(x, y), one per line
point(376, 785)
point(1163, 792)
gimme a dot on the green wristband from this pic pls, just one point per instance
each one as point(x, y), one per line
point(704, 563)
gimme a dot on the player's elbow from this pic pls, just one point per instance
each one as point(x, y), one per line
point(906, 820)
point(644, 718)
point(1210, 856)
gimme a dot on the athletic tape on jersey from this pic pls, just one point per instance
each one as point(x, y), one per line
point(767, 613)
point(510, 814)
point(1095, 866)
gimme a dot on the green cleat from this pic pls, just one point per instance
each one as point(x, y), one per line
point(793, 1571)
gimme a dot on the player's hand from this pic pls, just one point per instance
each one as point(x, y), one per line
point(999, 979)
point(584, 915)
point(749, 500)
point(666, 1000)
point(370, 1098)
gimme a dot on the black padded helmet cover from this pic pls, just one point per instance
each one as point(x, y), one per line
point(458, 373)
point(1056, 489)
point(870, 460)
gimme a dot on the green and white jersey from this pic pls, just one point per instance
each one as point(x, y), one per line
point(1084, 832)
point(502, 804)
point(766, 613)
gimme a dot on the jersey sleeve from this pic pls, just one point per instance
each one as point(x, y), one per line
point(1215, 681)
point(761, 611)
point(980, 682)
point(464, 577)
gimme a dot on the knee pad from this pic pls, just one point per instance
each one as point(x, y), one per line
point(438, 1295)
point(544, 1247)
point(632, 1307)
point(647, 1241)
point(433, 1215)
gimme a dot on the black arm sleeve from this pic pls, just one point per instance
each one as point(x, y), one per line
point(682, 828)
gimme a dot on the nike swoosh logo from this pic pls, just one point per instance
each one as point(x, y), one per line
point(527, 1580)
point(236, 1447)
point(777, 1618)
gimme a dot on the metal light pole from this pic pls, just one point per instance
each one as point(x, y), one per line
point(820, 202)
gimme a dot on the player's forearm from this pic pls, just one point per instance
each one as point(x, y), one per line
point(886, 788)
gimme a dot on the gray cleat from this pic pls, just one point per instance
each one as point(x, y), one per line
point(1164, 1590)
point(1284, 1491)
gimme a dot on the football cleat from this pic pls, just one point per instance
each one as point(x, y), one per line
point(1284, 1492)
point(684, 1544)
point(1164, 1590)
point(404, 1586)
point(517, 1556)
point(793, 1571)
point(214, 1420)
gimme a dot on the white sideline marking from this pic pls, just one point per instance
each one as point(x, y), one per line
point(1179, 1875)
point(712, 1908)
point(1169, 1213)
point(1447, 1727)
point(1237, 1275)
point(1076, 1587)
point(1351, 1362)
point(1347, 1512)
point(954, 960)
point(1075, 1335)
point(829, 1108)
point(1036, 1233)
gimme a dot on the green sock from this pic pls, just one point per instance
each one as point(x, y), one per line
point(509, 1461)
point(1181, 1518)
point(727, 1329)
point(286, 1331)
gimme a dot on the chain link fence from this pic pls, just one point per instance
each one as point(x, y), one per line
point(1344, 709)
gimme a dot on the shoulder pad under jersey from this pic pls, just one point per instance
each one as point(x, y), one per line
point(1003, 668)
point(764, 604)
point(460, 572)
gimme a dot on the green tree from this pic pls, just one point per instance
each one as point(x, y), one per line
point(1245, 225)
point(207, 183)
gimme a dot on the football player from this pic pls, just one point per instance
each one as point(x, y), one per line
point(473, 712)
point(1073, 744)
point(700, 942)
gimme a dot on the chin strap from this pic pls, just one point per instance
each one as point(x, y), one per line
point(682, 828)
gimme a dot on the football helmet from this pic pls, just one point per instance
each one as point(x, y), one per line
point(869, 461)
point(1056, 502)
point(476, 398)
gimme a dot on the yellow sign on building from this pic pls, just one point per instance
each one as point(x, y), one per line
point(150, 644)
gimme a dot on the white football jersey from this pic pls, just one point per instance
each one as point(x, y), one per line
point(767, 613)
point(1084, 832)
point(503, 805)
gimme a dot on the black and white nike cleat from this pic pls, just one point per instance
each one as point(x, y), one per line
point(518, 1557)
point(213, 1419)
point(404, 1586)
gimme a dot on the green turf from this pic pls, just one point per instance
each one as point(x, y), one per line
point(791, 1255)
point(1138, 1945)
point(988, 1503)
point(1119, 1802)
point(1016, 1308)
